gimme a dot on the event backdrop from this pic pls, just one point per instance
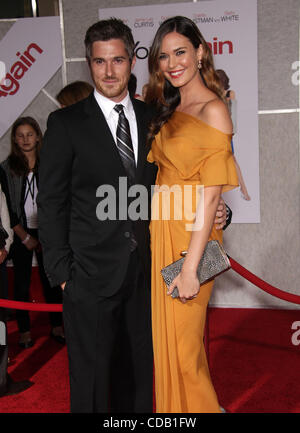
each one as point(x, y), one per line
point(231, 29)
point(30, 56)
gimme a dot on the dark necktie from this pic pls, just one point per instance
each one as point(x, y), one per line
point(124, 144)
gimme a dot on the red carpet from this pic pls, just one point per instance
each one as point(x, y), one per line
point(45, 363)
point(254, 364)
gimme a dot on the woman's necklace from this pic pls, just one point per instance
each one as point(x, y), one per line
point(30, 188)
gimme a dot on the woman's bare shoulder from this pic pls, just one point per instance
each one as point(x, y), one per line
point(215, 112)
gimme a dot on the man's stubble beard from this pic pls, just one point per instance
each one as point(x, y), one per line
point(111, 91)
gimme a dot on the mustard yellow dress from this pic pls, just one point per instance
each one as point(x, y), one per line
point(188, 152)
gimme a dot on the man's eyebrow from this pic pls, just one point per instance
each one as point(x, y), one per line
point(113, 58)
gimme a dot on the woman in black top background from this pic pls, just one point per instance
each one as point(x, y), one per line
point(20, 184)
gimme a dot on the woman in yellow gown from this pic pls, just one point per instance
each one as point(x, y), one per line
point(190, 143)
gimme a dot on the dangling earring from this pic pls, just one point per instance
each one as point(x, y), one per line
point(199, 64)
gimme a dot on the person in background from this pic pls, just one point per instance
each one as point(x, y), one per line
point(7, 385)
point(190, 143)
point(229, 95)
point(6, 233)
point(74, 92)
point(20, 180)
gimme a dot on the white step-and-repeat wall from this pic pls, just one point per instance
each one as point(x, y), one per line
point(231, 31)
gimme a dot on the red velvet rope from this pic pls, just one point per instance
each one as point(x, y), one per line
point(289, 297)
point(266, 287)
point(30, 306)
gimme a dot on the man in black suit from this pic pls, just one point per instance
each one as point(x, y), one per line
point(102, 265)
point(93, 149)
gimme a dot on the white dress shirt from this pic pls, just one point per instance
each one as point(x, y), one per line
point(112, 117)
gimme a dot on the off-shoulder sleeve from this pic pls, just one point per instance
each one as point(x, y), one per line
point(218, 168)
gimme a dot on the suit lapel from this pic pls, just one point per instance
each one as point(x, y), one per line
point(99, 128)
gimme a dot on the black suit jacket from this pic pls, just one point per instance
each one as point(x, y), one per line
point(79, 155)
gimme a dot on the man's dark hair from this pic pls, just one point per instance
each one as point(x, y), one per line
point(109, 29)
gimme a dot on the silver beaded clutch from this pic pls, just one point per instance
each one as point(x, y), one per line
point(213, 262)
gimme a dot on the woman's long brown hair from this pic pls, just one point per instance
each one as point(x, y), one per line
point(160, 93)
point(17, 160)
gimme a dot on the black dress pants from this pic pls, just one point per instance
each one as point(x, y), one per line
point(22, 261)
point(109, 345)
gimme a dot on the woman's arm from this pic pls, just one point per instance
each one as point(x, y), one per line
point(5, 220)
point(187, 281)
point(29, 241)
point(216, 114)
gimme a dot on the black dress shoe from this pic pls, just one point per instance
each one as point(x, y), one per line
point(26, 344)
point(58, 338)
point(13, 388)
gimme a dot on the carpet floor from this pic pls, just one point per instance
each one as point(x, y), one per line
point(253, 356)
